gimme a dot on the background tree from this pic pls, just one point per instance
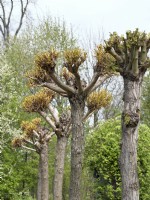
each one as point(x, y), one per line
point(131, 54)
point(145, 100)
point(102, 158)
point(36, 138)
point(7, 9)
point(13, 182)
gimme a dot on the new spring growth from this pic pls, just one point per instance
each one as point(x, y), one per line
point(39, 101)
point(37, 76)
point(74, 58)
point(104, 61)
point(17, 142)
point(47, 60)
point(130, 52)
point(97, 100)
point(29, 126)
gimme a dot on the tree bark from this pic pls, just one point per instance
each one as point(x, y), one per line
point(59, 166)
point(77, 146)
point(39, 182)
point(130, 122)
point(95, 118)
point(43, 182)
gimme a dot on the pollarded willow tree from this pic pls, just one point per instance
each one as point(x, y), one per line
point(60, 126)
point(36, 137)
point(74, 87)
point(131, 54)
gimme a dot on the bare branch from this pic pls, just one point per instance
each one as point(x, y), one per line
point(36, 134)
point(1, 30)
point(9, 17)
point(28, 142)
point(54, 87)
point(61, 84)
point(91, 84)
point(78, 81)
point(3, 19)
point(54, 113)
point(50, 122)
point(87, 115)
point(100, 81)
point(50, 136)
point(23, 11)
point(28, 148)
point(4, 15)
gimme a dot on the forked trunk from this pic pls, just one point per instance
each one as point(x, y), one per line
point(77, 147)
point(59, 166)
point(130, 122)
point(43, 182)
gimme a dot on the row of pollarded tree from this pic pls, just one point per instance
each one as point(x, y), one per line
point(36, 137)
point(125, 55)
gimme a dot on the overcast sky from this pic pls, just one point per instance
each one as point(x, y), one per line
point(99, 15)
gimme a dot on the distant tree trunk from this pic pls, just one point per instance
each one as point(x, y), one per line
point(130, 122)
point(43, 182)
point(95, 118)
point(77, 146)
point(59, 166)
point(23, 181)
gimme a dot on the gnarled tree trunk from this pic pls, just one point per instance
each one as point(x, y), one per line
point(43, 182)
point(77, 146)
point(130, 122)
point(59, 166)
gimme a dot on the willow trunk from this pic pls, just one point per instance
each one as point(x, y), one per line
point(77, 147)
point(130, 123)
point(43, 182)
point(59, 166)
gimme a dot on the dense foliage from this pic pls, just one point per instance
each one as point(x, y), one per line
point(102, 158)
point(146, 99)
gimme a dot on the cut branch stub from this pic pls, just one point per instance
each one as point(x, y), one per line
point(73, 59)
point(47, 60)
point(97, 100)
point(130, 52)
point(131, 119)
point(105, 63)
point(39, 101)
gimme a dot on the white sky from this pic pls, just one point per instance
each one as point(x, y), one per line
point(97, 16)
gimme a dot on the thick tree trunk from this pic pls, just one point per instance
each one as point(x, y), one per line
point(59, 166)
point(130, 122)
point(43, 182)
point(77, 147)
